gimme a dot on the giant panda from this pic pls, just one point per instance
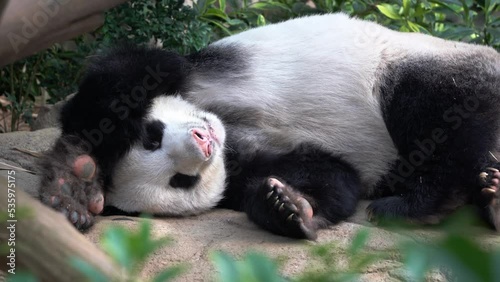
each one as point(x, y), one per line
point(318, 112)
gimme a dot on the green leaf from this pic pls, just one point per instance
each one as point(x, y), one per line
point(261, 21)
point(406, 7)
point(115, 244)
point(496, 21)
point(217, 24)
point(88, 270)
point(416, 260)
point(413, 26)
point(234, 4)
point(208, 4)
point(130, 249)
point(226, 266)
point(22, 277)
point(235, 22)
point(388, 11)
point(263, 268)
point(169, 273)
point(404, 28)
point(269, 5)
point(212, 12)
point(458, 33)
point(222, 5)
point(358, 242)
point(361, 261)
point(469, 261)
point(495, 262)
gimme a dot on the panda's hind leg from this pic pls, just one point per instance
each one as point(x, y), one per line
point(70, 183)
point(297, 193)
point(432, 193)
point(444, 119)
point(426, 196)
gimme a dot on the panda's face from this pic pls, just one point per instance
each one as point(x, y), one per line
point(177, 167)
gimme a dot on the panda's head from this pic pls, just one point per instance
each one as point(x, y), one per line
point(177, 168)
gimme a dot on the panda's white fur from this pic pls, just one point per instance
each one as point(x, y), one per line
point(141, 179)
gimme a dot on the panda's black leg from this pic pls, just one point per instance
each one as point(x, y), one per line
point(294, 194)
point(488, 199)
point(411, 207)
point(424, 197)
point(70, 183)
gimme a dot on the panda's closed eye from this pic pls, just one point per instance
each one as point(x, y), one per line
point(154, 135)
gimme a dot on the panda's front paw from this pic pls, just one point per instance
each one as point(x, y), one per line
point(70, 185)
point(290, 209)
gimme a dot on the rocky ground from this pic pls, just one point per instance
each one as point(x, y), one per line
point(197, 237)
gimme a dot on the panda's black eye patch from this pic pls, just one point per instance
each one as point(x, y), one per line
point(184, 181)
point(154, 135)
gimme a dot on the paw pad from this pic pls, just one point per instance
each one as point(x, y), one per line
point(72, 188)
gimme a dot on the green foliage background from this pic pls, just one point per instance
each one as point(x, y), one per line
point(53, 74)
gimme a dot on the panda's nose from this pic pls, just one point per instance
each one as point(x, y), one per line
point(204, 140)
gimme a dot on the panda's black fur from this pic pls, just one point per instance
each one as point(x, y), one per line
point(319, 112)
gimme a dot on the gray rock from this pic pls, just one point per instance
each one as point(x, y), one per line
point(10, 154)
point(35, 141)
point(48, 116)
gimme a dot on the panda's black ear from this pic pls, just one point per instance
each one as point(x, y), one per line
point(153, 135)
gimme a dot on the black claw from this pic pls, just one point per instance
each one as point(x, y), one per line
point(293, 208)
point(293, 218)
point(74, 217)
point(492, 169)
point(83, 219)
point(282, 207)
point(276, 203)
point(65, 212)
point(274, 199)
point(483, 177)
